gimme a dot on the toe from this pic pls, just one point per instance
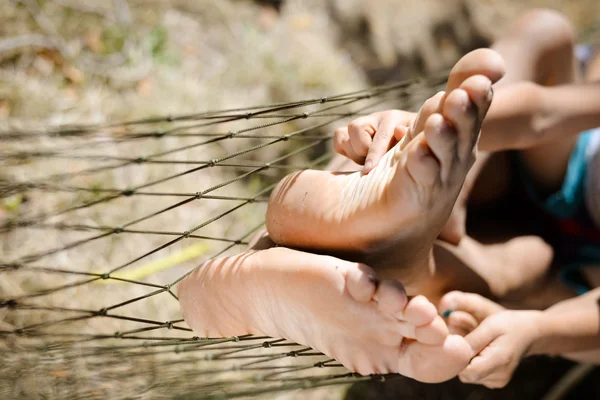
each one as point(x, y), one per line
point(442, 141)
point(391, 297)
point(479, 89)
point(361, 282)
point(421, 163)
point(462, 115)
point(433, 364)
point(431, 105)
point(419, 311)
point(484, 62)
point(433, 333)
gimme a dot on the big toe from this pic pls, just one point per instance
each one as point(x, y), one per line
point(484, 62)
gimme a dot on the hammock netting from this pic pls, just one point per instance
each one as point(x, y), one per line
point(103, 221)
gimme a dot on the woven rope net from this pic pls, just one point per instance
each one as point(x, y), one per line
point(103, 221)
point(101, 233)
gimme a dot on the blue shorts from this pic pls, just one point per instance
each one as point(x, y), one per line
point(570, 206)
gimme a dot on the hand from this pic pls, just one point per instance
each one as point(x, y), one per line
point(366, 139)
point(501, 341)
point(500, 338)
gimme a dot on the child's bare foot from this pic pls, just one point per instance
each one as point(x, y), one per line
point(408, 197)
point(335, 306)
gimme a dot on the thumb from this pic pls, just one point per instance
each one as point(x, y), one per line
point(481, 337)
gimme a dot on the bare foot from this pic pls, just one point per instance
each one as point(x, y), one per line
point(408, 197)
point(335, 306)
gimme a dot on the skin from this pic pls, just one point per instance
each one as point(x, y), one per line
point(509, 266)
point(265, 272)
point(332, 305)
point(540, 106)
point(370, 326)
point(500, 338)
point(391, 216)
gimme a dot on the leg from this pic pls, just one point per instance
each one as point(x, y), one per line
point(592, 73)
point(493, 182)
point(407, 199)
point(540, 48)
point(506, 267)
point(335, 306)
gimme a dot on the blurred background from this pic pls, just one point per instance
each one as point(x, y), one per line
point(109, 61)
point(90, 61)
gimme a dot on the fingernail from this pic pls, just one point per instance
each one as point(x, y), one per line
point(446, 313)
point(368, 166)
point(490, 94)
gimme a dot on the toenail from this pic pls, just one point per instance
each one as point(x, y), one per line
point(446, 313)
point(374, 281)
point(490, 94)
point(444, 126)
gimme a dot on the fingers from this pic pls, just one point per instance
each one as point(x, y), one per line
point(343, 146)
point(366, 139)
point(474, 304)
point(492, 368)
point(361, 132)
point(389, 131)
point(483, 335)
point(461, 323)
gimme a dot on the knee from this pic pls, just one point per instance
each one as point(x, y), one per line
point(548, 27)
